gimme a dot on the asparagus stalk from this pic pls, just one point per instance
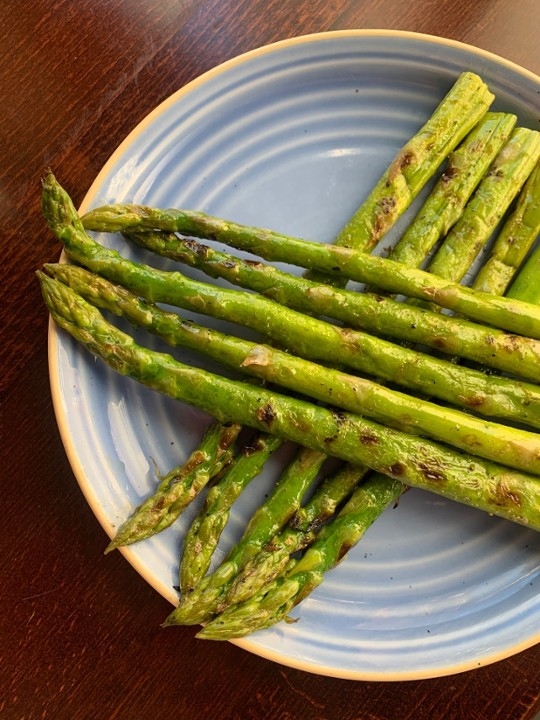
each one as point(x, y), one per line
point(461, 108)
point(444, 205)
point(502, 312)
point(527, 284)
point(275, 557)
point(381, 315)
point(416, 461)
point(206, 598)
point(416, 162)
point(510, 446)
point(513, 243)
point(465, 168)
point(499, 187)
point(180, 486)
point(276, 600)
point(202, 537)
point(498, 397)
point(258, 600)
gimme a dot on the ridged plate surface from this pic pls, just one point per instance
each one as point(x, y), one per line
point(292, 137)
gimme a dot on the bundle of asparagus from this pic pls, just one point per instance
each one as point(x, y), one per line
point(480, 462)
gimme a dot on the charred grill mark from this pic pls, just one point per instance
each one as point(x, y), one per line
point(297, 522)
point(473, 401)
point(339, 417)
point(197, 247)
point(253, 263)
point(271, 547)
point(343, 550)
point(387, 205)
point(402, 160)
point(158, 505)
point(432, 473)
point(227, 437)
point(253, 447)
point(397, 469)
point(195, 460)
point(440, 343)
point(266, 414)
point(450, 173)
point(367, 438)
point(504, 495)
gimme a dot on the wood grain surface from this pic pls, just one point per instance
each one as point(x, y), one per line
point(80, 633)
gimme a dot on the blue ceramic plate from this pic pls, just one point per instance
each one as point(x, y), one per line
point(292, 136)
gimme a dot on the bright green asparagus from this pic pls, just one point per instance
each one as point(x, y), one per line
point(275, 559)
point(300, 532)
point(499, 187)
point(373, 313)
point(502, 312)
point(260, 604)
point(269, 518)
point(275, 601)
point(180, 486)
point(509, 446)
point(496, 397)
point(416, 461)
point(417, 161)
point(527, 284)
point(464, 170)
point(203, 535)
point(512, 245)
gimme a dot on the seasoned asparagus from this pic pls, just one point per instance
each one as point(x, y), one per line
point(519, 232)
point(254, 602)
point(301, 531)
point(179, 487)
point(381, 315)
point(416, 162)
point(502, 312)
point(416, 461)
point(498, 397)
point(516, 448)
point(499, 187)
point(513, 243)
point(203, 535)
point(276, 600)
point(465, 168)
point(269, 518)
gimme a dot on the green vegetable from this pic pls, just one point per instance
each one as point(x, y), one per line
point(301, 531)
point(415, 461)
point(512, 245)
point(202, 537)
point(516, 448)
point(268, 519)
point(527, 284)
point(446, 202)
point(179, 487)
point(417, 161)
point(498, 397)
point(276, 600)
point(380, 315)
point(502, 312)
point(499, 187)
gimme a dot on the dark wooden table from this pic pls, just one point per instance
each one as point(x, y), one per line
point(80, 634)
